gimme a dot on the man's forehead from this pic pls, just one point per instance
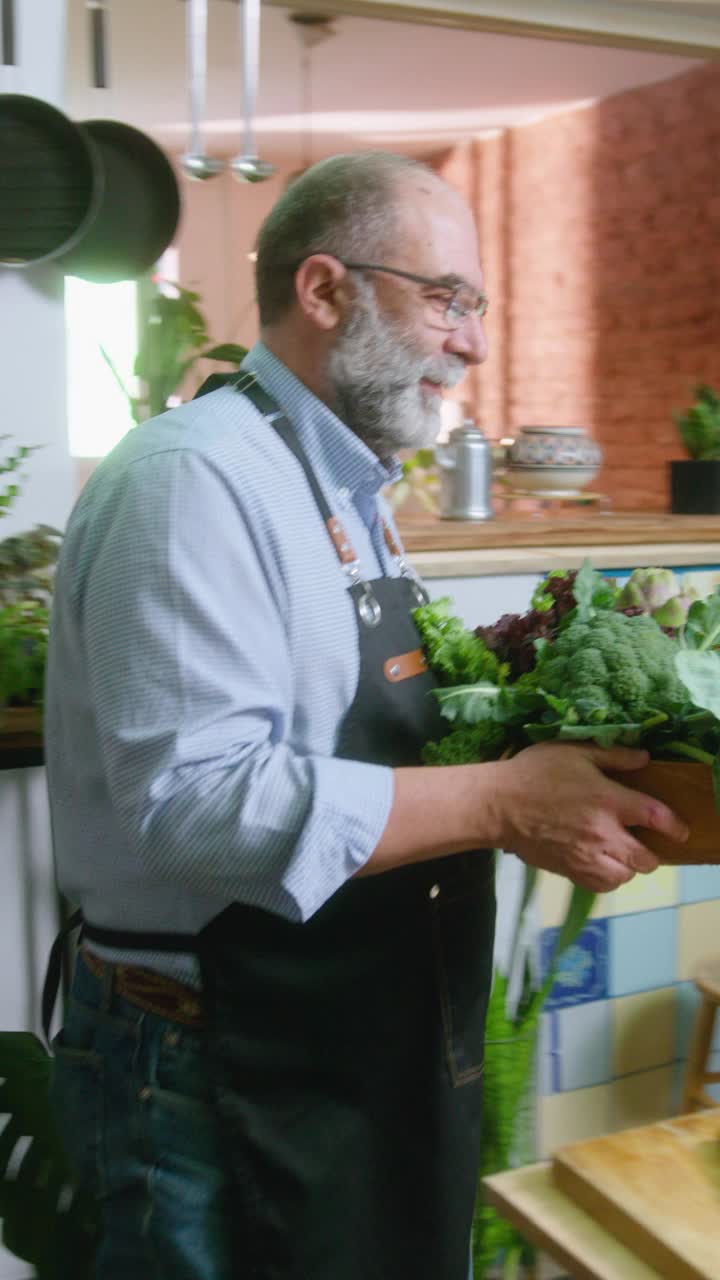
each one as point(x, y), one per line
point(438, 230)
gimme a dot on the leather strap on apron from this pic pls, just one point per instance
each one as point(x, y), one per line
point(347, 1052)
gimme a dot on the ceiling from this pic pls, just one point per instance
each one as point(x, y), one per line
point(372, 83)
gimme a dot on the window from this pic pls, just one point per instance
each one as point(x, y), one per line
point(97, 317)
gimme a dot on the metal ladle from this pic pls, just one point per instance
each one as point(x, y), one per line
point(195, 163)
point(246, 166)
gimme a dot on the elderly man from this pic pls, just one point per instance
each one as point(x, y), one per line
point(272, 1058)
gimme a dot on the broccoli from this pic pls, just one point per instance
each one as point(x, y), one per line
point(611, 668)
point(456, 655)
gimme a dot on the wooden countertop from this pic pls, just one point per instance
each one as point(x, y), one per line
point(562, 528)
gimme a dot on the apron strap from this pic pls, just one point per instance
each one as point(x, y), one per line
point(53, 974)
point(246, 384)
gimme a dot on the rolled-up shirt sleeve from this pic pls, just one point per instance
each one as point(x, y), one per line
point(192, 680)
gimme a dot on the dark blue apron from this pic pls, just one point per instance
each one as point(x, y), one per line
point(347, 1052)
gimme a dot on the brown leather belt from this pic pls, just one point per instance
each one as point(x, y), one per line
point(150, 991)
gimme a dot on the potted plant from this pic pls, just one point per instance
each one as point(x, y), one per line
point(47, 1221)
point(173, 337)
point(26, 566)
point(695, 481)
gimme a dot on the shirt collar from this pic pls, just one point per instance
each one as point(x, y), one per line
point(331, 447)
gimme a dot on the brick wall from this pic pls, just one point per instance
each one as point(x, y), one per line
point(600, 232)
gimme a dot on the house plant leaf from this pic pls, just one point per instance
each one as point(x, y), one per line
point(46, 1220)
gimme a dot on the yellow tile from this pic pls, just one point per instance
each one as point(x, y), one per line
point(698, 935)
point(646, 893)
point(641, 1099)
point(570, 1117)
point(643, 1030)
point(553, 896)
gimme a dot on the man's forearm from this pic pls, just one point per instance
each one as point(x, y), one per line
point(552, 804)
point(436, 811)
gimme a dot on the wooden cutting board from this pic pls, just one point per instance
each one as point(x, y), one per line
point(657, 1189)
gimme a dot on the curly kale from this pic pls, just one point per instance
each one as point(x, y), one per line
point(611, 668)
point(468, 744)
point(456, 655)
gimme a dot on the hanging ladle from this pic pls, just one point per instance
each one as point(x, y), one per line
point(246, 166)
point(194, 163)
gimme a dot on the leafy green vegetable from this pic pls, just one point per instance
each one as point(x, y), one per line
point(658, 592)
point(699, 670)
point(469, 702)
point(587, 583)
point(467, 744)
point(600, 676)
point(702, 626)
point(456, 655)
point(542, 598)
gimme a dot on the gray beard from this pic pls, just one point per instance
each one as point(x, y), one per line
point(374, 370)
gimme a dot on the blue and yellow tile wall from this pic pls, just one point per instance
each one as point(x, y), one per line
point(617, 1024)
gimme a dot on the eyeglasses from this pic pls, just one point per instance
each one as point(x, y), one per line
point(453, 298)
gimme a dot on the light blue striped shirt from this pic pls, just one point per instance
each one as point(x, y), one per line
point(203, 654)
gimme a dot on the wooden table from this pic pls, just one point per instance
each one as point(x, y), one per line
point(530, 1200)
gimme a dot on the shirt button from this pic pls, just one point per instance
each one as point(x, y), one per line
point(435, 891)
point(172, 1039)
point(145, 1094)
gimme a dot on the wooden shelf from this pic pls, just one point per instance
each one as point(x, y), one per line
point(21, 740)
point(430, 533)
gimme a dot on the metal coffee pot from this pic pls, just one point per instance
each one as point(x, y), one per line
point(465, 467)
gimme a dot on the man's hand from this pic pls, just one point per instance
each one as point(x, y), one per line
point(558, 811)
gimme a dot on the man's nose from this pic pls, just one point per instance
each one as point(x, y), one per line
point(469, 340)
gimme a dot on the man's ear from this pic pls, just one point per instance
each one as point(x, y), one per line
point(322, 290)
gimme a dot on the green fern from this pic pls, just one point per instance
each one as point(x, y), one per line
point(508, 1136)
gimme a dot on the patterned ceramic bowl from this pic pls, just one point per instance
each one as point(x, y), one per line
point(553, 458)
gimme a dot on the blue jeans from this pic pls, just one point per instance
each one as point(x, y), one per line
point(131, 1096)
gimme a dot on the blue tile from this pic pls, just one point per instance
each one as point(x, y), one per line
point(548, 1070)
point(583, 970)
point(549, 1079)
point(585, 1038)
point(642, 951)
point(697, 884)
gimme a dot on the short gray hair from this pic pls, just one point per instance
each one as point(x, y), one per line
point(343, 205)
